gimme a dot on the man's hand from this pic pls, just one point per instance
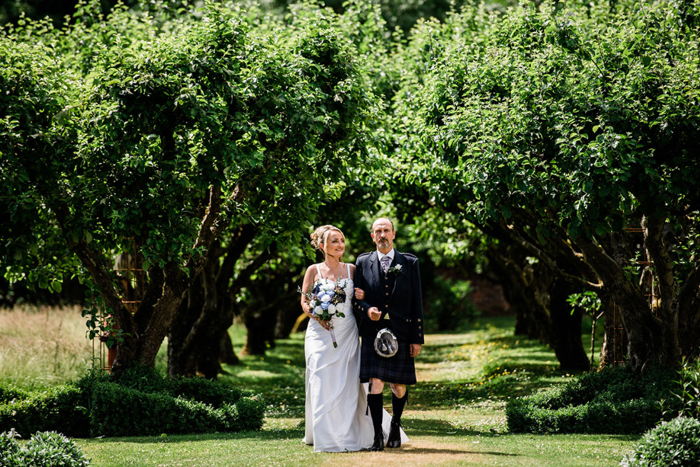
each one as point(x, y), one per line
point(415, 349)
point(374, 313)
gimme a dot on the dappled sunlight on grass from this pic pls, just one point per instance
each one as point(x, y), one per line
point(455, 416)
point(485, 362)
point(279, 375)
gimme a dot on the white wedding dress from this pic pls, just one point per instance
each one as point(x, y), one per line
point(337, 419)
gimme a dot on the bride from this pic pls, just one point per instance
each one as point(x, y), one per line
point(336, 401)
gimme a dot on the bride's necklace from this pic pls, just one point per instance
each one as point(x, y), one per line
point(331, 273)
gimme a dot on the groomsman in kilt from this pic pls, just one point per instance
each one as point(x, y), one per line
point(391, 282)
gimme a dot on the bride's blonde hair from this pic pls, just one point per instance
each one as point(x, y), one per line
point(320, 236)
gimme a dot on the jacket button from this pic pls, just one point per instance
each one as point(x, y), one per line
point(386, 306)
point(420, 327)
point(387, 294)
point(419, 320)
point(420, 335)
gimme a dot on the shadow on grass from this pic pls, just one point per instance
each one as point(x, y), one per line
point(508, 366)
point(408, 450)
point(277, 434)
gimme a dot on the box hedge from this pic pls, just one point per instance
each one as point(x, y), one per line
point(62, 408)
point(609, 401)
point(144, 402)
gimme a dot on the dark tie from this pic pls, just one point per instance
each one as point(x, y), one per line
point(386, 261)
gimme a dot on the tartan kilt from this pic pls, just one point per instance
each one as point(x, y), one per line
point(399, 369)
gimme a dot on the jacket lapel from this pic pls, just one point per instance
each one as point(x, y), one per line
point(374, 267)
point(398, 259)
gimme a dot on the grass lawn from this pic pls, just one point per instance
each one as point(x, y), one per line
point(455, 415)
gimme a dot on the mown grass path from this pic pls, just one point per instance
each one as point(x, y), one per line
point(455, 416)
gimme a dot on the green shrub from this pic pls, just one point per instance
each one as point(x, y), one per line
point(687, 389)
point(246, 415)
point(51, 449)
point(9, 393)
point(449, 305)
point(9, 450)
point(62, 408)
point(672, 443)
point(609, 401)
point(149, 380)
point(123, 411)
point(143, 402)
point(209, 392)
point(145, 379)
point(45, 449)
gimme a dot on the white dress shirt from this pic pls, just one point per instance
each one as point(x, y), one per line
point(381, 255)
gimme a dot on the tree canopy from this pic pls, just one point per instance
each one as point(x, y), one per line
point(561, 127)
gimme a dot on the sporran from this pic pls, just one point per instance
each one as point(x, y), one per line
point(385, 344)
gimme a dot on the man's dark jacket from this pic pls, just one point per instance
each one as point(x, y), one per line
point(396, 294)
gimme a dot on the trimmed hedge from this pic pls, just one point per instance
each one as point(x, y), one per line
point(206, 391)
point(9, 393)
point(62, 408)
point(142, 403)
point(149, 380)
point(672, 443)
point(120, 411)
point(609, 401)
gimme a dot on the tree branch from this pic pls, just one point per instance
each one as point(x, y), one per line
point(548, 260)
point(658, 252)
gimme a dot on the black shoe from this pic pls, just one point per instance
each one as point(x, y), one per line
point(378, 443)
point(394, 439)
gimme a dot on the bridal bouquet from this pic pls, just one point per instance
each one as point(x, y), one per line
point(327, 299)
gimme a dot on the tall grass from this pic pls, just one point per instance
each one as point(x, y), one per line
point(42, 346)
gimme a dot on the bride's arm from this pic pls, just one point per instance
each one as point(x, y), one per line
point(309, 279)
point(359, 293)
point(306, 287)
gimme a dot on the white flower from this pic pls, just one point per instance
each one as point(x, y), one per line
point(312, 304)
point(328, 286)
point(325, 298)
point(318, 310)
point(340, 308)
point(332, 308)
point(398, 268)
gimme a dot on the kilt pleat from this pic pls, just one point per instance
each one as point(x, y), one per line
point(399, 369)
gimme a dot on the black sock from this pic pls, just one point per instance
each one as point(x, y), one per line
point(375, 402)
point(397, 405)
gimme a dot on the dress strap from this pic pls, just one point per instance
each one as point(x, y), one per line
point(348, 266)
point(318, 269)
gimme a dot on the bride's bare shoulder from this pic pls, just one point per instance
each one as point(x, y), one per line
point(311, 270)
